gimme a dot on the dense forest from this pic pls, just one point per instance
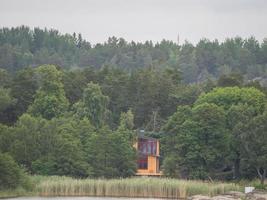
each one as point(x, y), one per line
point(21, 47)
point(71, 108)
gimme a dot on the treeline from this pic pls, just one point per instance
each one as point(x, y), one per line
point(151, 94)
point(81, 123)
point(22, 47)
point(54, 137)
point(221, 136)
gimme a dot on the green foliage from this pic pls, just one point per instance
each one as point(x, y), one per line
point(230, 80)
point(110, 154)
point(24, 147)
point(84, 102)
point(48, 106)
point(23, 88)
point(126, 126)
point(150, 97)
point(5, 99)
point(187, 94)
point(50, 100)
point(6, 138)
point(5, 78)
point(11, 175)
point(44, 166)
point(67, 152)
point(7, 103)
point(171, 166)
point(49, 147)
point(114, 84)
point(93, 105)
point(254, 143)
point(126, 121)
point(172, 126)
point(232, 96)
point(22, 47)
point(199, 139)
point(241, 105)
point(208, 137)
point(74, 84)
point(61, 150)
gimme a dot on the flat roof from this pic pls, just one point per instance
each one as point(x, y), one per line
point(147, 138)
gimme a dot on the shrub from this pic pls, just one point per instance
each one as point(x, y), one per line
point(11, 175)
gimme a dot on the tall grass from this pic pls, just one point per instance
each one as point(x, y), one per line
point(130, 187)
point(18, 192)
point(255, 183)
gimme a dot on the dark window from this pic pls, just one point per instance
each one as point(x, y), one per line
point(147, 146)
point(142, 162)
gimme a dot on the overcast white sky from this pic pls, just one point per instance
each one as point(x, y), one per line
point(141, 20)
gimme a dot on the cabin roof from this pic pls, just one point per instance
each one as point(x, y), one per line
point(141, 135)
point(147, 138)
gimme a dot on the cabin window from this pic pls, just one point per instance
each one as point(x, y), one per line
point(142, 162)
point(147, 146)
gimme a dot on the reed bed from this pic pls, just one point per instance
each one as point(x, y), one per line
point(131, 187)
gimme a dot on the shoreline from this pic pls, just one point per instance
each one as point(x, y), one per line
point(141, 187)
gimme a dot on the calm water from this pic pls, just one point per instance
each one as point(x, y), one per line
point(77, 198)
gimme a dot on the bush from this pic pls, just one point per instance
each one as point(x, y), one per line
point(44, 166)
point(259, 186)
point(11, 175)
point(170, 166)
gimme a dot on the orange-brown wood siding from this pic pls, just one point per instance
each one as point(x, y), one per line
point(152, 164)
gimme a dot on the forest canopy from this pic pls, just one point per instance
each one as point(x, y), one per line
point(22, 47)
point(71, 108)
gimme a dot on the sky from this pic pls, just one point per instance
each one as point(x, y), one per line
point(141, 20)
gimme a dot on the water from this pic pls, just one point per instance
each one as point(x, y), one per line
point(77, 198)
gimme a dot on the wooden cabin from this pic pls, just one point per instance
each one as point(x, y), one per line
point(148, 156)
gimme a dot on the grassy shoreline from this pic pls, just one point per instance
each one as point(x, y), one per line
point(19, 192)
point(144, 187)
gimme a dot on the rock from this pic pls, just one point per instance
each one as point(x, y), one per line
point(199, 197)
point(233, 195)
point(236, 194)
point(225, 197)
point(256, 195)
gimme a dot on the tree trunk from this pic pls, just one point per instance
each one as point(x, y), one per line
point(154, 113)
point(263, 177)
point(262, 174)
point(262, 180)
point(237, 168)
